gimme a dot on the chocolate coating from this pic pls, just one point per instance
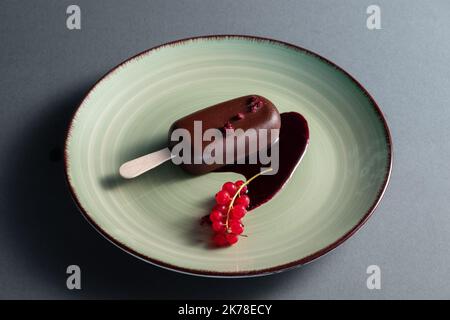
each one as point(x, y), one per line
point(247, 112)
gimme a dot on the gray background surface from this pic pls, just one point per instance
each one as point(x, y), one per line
point(45, 70)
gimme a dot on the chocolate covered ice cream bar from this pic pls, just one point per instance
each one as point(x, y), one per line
point(246, 125)
point(208, 139)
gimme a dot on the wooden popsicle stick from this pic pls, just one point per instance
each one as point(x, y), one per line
point(138, 166)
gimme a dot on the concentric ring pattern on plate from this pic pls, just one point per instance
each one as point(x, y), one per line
point(156, 217)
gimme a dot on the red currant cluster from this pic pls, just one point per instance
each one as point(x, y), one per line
point(231, 206)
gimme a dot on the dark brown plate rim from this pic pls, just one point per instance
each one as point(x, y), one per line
point(250, 273)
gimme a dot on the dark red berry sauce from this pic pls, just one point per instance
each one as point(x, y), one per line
point(294, 137)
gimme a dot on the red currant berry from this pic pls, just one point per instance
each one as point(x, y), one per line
point(231, 220)
point(238, 211)
point(231, 238)
point(216, 216)
point(236, 227)
point(220, 240)
point(239, 183)
point(223, 197)
point(230, 187)
point(221, 208)
point(219, 226)
point(243, 200)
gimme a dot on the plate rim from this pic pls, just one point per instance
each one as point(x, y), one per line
point(234, 274)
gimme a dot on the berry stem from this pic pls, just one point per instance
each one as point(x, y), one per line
point(239, 191)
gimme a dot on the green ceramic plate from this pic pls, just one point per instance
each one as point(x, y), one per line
point(156, 217)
